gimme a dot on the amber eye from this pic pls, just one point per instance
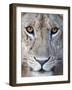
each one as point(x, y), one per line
point(30, 29)
point(54, 30)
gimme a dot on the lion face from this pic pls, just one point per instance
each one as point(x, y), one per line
point(42, 43)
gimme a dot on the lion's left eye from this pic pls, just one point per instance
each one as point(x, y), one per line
point(54, 30)
point(30, 29)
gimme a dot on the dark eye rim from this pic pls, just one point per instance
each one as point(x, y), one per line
point(31, 29)
point(54, 30)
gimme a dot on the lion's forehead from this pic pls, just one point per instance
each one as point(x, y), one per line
point(43, 20)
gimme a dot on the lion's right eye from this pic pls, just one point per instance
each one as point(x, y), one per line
point(30, 29)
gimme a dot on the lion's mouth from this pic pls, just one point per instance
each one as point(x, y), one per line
point(42, 61)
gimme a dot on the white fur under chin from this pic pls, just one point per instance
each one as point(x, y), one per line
point(39, 74)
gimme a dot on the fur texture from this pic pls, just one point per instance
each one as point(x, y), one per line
point(42, 50)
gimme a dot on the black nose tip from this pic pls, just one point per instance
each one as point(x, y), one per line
point(41, 62)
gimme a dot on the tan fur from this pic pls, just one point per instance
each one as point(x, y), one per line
point(40, 47)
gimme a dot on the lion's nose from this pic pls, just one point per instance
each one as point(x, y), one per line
point(41, 61)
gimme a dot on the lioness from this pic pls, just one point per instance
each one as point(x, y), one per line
point(41, 44)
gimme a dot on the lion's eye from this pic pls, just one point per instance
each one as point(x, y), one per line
point(30, 29)
point(54, 30)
